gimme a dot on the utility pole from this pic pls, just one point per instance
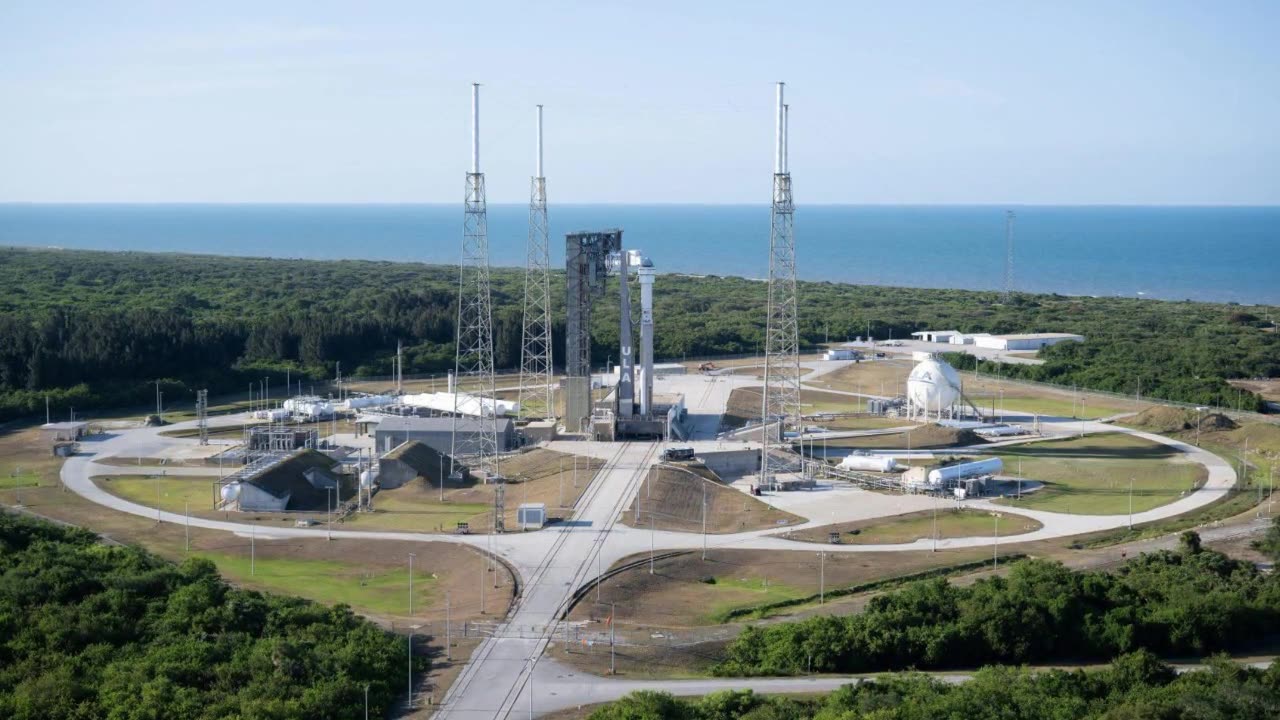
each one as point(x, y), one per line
point(995, 552)
point(650, 543)
point(411, 557)
point(1008, 258)
point(704, 521)
point(612, 637)
point(1130, 502)
point(448, 630)
point(822, 577)
point(186, 510)
point(253, 548)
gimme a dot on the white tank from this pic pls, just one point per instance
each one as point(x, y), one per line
point(230, 492)
point(368, 478)
point(933, 385)
point(873, 463)
point(965, 470)
point(366, 401)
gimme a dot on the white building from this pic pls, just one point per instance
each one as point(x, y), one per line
point(1026, 342)
point(840, 354)
point(935, 336)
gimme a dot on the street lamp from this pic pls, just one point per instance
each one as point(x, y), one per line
point(1199, 409)
point(411, 557)
point(411, 629)
point(1130, 502)
point(995, 552)
point(328, 511)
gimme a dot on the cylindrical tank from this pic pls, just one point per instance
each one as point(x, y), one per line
point(368, 478)
point(873, 463)
point(933, 385)
point(230, 492)
point(950, 473)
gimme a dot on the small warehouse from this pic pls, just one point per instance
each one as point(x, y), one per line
point(64, 431)
point(412, 460)
point(302, 481)
point(935, 336)
point(1025, 342)
point(437, 432)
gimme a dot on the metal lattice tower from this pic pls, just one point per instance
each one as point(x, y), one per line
point(780, 399)
point(202, 415)
point(535, 350)
point(473, 357)
point(1008, 256)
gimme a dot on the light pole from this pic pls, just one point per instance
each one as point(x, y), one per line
point(253, 549)
point(612, 637)
point(704, 521)
point(411, 557)
point(186, 510)
point(1199, 409)
point(448, 630)
point(822, 577)
point(411, 629)
point(935, 523)
point(366, 702)
point(650, 543)
point(560, 481)
point(1130, 502)
point(995, 551)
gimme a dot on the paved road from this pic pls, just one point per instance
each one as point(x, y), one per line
point(556, 561)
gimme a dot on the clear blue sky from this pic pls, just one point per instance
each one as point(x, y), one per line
point(904, 102)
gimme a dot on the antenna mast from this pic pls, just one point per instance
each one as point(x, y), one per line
point(1008, 257)
point(780, 399)
point(535, 354)
point(474, 350)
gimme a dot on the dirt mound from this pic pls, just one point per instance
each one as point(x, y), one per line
point(1163, 419)
point(1217, 421)
point(937, 436)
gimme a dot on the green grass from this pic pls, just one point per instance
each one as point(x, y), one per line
point(25, 480)
point(329, 581)
point(176, 493)
point(951, 524)
point(747, 593)
point(1091, 475)
point(394, 511)
point(861, 423)
point(1044, 406)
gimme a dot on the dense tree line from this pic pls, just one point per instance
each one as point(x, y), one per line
point(93, 328)
point(1190, 602)
point(1137, 686)
point(91, 631)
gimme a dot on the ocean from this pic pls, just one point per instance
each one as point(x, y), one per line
point(1224, 254)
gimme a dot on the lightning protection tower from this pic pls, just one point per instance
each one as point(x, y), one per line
point(535, 353)
point(1008, 255)
point(780, 401)
point(202, 415)
point(473, 357)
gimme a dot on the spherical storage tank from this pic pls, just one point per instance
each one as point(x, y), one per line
point(933, 385)
point(230, 492)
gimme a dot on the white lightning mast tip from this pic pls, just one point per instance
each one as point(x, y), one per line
point(539, 142)
point(475, 128)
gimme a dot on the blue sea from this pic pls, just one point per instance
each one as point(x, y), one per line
point(1199, 253)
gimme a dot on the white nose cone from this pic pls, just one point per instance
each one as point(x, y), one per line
point(933, 385)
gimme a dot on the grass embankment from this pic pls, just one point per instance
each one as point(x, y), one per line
point(921, 437)
point(672, 497)
point(174, 494)
point(539, 476)
point(1091, 475)
point(909, 527)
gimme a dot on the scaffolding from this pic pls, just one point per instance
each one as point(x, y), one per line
point(535, 394)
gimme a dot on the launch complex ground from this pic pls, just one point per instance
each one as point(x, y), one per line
point(510, 671)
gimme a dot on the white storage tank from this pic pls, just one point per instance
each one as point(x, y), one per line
point(951, 473)
point(933, 385)
point(872, 463)
point(368, 478)
point(230, 492)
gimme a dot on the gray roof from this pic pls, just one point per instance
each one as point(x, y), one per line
point(63, 425)
point(396, 423)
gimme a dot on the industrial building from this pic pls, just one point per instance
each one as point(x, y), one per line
point(302, 480)
point(935, 336)
point(1029, 341)
point(64, 431)
point(437, 432)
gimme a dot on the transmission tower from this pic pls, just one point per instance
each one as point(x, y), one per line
point(780, 400)
point(202, 415)
point(535, 353)
point(1008, 255)
point(473, 357)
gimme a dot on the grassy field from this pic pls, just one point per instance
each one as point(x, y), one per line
point(910, 527)
point(671, 498)
point(381, 591)
point(1091, 475)
point(419, 512)
point(175, 494)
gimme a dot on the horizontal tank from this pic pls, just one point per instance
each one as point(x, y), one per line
point(873, 463)
point(367, 401)
point(230, 492)
point(976, 468)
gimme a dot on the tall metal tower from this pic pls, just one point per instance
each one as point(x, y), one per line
point(1008, 254)
point(202, 415)
point(473, 357)
point(780, 399)
point(535, 353)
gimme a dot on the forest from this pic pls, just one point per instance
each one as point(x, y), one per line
point(89, 630)
point(1137, 686)
point(1190, 602)
point(95, 329)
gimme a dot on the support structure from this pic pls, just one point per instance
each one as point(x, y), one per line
point(1008, 256)
point(473, 359)
point(536, 394)
point(202, 415)
point(586, 269)
point(780, 398)
point(399, 368)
